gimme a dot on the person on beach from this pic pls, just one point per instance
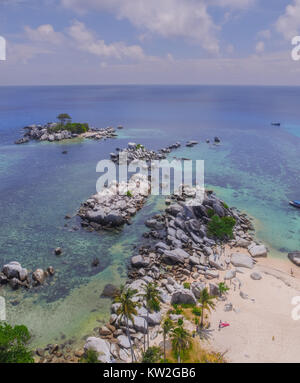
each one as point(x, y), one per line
point(292, 273)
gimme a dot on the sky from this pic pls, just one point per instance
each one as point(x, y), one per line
point(70, 42)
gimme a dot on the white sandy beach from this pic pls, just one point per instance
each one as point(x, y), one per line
point(261, 327)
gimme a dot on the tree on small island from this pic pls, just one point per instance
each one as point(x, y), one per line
point(63, 117)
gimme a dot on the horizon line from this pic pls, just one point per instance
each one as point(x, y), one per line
point(154, 84)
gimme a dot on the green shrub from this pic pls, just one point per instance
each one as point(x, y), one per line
point(90, 356)
point(197, 311)
point(177, 310)
point(152, 355)
point(14, 344)
point(129, 194)
point(221, 227)
point(187, 285)
point(187, 305)
point(210, 212)
point(139, 146)
point(180, 322)
point(225, 205)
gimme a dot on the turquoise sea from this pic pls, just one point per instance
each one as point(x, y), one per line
point(256, 169)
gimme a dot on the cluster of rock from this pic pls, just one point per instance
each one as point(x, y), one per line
point(184, 253)
point(45, 133)
point(17, 276)
point(136, 152)
point(59, 353)
point(115, 205)
point(100, 133)
point(216, 141)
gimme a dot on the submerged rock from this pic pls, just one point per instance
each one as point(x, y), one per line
point(109, 291)
point(15, 270)
point(39, 276)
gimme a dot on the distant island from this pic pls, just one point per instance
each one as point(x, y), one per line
point(65, 129)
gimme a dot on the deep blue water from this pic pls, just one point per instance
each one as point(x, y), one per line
point(256, 169)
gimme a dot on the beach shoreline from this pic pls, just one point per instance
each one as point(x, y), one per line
point(261, 329)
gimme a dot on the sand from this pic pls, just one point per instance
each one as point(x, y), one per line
point(261, 328)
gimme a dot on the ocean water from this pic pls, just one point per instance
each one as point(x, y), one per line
point(256, 169)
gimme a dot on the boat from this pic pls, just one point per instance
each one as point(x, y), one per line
point(275, 123)
point(295, 203)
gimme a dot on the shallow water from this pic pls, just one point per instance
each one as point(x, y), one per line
point(255, 169)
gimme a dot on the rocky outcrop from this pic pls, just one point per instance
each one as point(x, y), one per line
point(295, 257)
point(17, 276)
point(114, 206)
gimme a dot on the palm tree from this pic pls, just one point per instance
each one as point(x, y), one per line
point(222, 288)
point(207, 303)
point(166, 328)
point(127, 309)
point(181, 340)
point(151, 296)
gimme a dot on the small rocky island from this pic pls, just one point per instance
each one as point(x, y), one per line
point(65, 129)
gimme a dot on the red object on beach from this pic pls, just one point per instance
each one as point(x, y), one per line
point(224, 324)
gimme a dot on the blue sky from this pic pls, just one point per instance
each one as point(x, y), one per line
point(149, 42)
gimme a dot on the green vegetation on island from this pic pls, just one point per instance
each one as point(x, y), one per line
point(67, 124)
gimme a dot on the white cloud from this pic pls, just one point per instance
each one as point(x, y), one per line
point(44, 33)
point(168, 18)
point(239, 4)
point(86, 41)
point(288, 24)
point(24, 52)
point(260, 47)
point(265, 34)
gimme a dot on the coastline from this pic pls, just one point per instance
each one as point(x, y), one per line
point(261, 328)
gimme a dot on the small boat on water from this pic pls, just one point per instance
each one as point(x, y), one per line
point(295, 203)
point(275, 123)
